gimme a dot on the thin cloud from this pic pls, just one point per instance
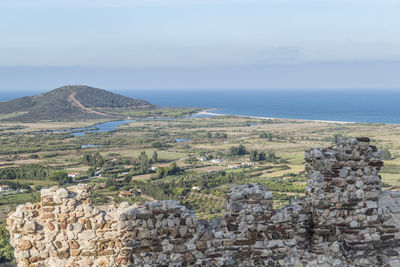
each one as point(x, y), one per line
point(132, 3)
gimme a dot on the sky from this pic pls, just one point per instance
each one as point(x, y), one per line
point(193, 44)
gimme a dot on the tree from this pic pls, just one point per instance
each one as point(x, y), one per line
point(59, 176)
point(257, 156)
point(160, 172)
point(386, 155)
point(157, 144)
point(221, 135)
point(93, 159)
point(155, 156)
point(253, 155)
point(170, 170)
point(262, 156)
point(173, 169)
point(271, 157)
point(6, 250)
point(268, 136)
point(127, 178)
point(91, 171)
point(237, 151)
point(144, 162)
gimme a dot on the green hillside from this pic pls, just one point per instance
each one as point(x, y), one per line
point(72, 102)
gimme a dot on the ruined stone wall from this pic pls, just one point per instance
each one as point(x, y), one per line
point(65, 230)
point(344, 220)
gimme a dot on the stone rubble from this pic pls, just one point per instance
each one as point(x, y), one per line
point(344, 220)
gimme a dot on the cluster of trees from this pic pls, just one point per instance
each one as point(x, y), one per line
point(26, 171)
point(257, 156)
point(253, 154)
point(217, 135)
point(270, 136)
point(93, 159)
point(237, 151)
point(168, 170)
point(144, 162)
point(60, 176)
point(157, 144)
point(31, 172)
point(271, 157)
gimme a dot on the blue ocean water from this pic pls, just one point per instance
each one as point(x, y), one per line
point(376, 106)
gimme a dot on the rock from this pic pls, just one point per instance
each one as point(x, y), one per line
point(30, 227)
point(61, 193)
point(87, 235)
point(206, 236)
point(63, 254)
point(75, 252)
point(359, 194)
point(25, 245)
point(188, 257)
point(144, 234)
point(363, 139)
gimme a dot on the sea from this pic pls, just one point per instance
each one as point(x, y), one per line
point(372, 106)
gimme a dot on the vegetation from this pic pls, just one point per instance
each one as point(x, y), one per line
point(27, 171)
point(386, 155)
point(61, 177)
point(164, 171)
point(6, 251)
point(144, 162)
point(257, 156)
point(142, 157)
point(68, 103)
point(93, 159)
point(237, 151)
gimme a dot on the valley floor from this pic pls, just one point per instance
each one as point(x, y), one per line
point(193, 160)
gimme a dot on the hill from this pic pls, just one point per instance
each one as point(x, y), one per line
point(72, 102)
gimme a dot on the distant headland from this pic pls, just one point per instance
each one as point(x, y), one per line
point(71, 102)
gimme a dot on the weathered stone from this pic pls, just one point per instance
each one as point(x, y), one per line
point(206, 236)
point(74, 245)
point(88, 253)
point(87, 235)
point(50, 226)
point(63, 254)
point(106, 252)
point(25, 245)
point(75, 252)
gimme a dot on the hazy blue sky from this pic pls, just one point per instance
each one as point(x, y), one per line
point(199, 44)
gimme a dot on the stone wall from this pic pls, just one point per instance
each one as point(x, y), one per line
point(344, 220)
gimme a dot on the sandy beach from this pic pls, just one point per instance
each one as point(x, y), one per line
point(207, 112)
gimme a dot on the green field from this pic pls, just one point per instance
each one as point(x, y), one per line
point(143, 157)
point(204, 166)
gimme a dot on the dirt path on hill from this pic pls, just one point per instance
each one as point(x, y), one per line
point(72, 99)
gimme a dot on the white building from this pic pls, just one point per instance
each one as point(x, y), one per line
point(4, 188)
point(73, 174)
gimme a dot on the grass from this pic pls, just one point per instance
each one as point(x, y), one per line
point(10, 115)
point(19, 198)
point(43, 183)
point(127, 142)
point(162, 155)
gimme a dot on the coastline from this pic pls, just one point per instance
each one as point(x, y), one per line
point(208, 113)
